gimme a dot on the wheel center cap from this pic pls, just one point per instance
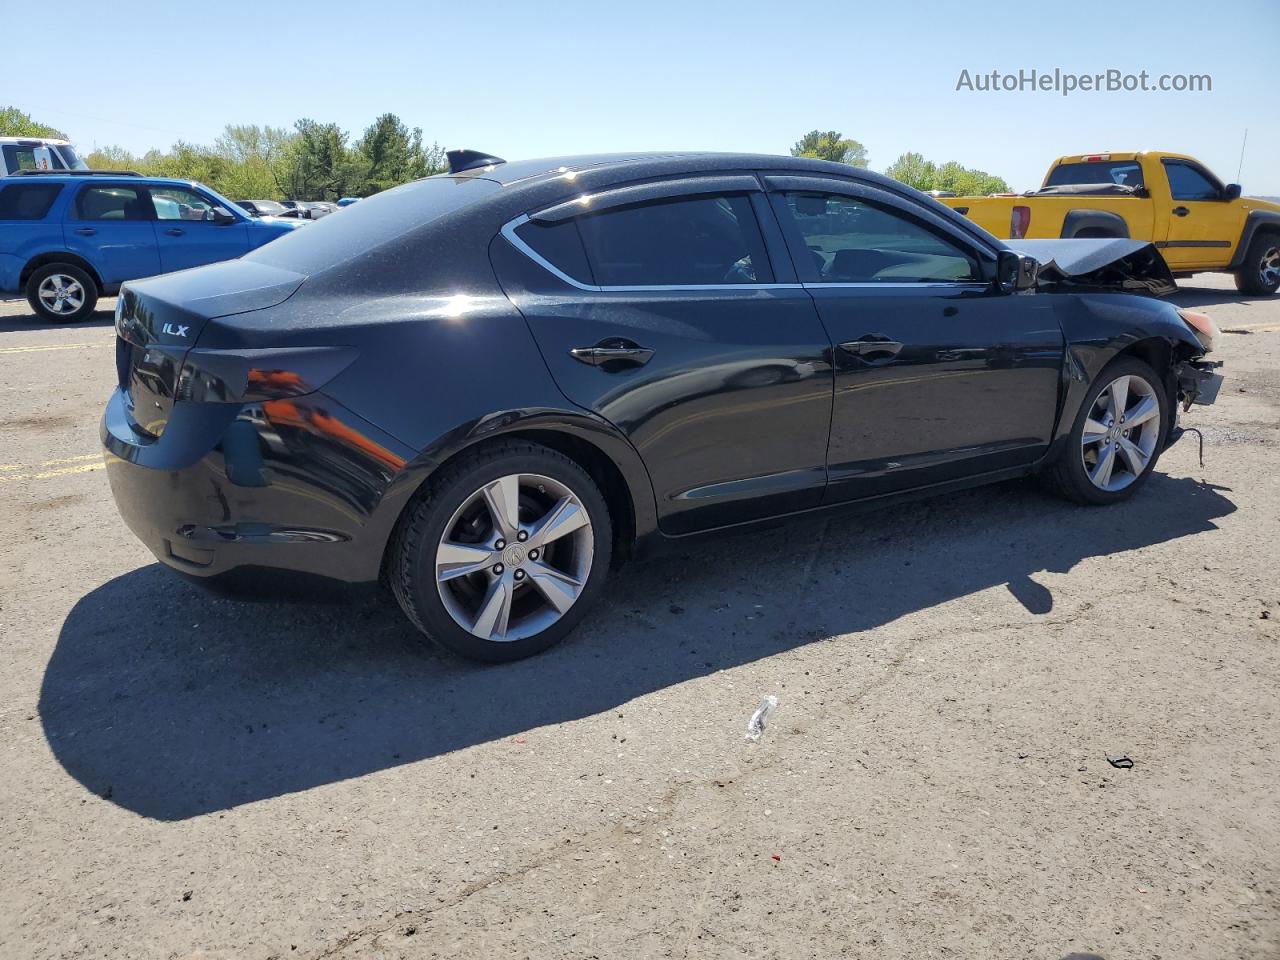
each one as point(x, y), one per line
point(514, 555)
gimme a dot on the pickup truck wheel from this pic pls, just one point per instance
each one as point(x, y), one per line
point(61, 292)
point(1260, 273)
point(1117, 437)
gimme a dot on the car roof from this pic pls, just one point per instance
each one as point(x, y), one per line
point(640, 165)
point(87, 176)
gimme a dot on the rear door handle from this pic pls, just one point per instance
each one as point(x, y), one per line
point(1180, 211)
point(175, 232)
point(86, 231)
point(872, 348)
point(620, 351)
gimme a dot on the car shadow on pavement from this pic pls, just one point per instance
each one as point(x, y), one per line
point(174, 703)
point(28, 322)
point(1215, 296)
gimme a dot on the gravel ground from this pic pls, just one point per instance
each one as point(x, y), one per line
point(192, 776)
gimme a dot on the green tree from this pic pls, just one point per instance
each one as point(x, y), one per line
point(915, 171)
point(318, 165)
point(112, 158)
point(15, 123)
point(830, 145)
point(256, 159)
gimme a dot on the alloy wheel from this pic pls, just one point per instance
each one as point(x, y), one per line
point(514, 557)
point(1121, 433)
point(61, 294)
point(1269, 267)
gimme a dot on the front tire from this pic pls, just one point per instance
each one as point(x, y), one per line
point(1117, 437)
point(61, 293)
point(503, 554)
point(1259, 275)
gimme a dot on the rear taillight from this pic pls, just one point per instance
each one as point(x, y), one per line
point(1019, 222)
point(249, 376)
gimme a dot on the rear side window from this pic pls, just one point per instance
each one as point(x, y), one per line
point(679, 242)
point(1127, 173)
point(560, 244)
point(27, 201)
point(113, 203)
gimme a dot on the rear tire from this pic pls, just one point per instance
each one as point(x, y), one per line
point(1104, 461)
point(504, 552)
point(1259, 275)
point(61, 293)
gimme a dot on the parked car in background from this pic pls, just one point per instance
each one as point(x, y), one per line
point(262, 208)
point(37, 153)
point(67, 238)
point(321, 208)
point(1170, 199)
point(296, 209)
point(347, 201)
point(606, 355)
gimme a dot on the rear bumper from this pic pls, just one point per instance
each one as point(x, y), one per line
point(300, 485)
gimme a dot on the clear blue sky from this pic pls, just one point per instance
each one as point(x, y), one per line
point(534, 79)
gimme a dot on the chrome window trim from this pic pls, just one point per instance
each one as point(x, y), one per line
point(906, 285)
point(509, 231)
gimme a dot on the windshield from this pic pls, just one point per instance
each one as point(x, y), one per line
point(370, 223)
point(1127, 173)
point(70, 157)
point(269, 208)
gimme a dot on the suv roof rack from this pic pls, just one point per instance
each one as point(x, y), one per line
point(75, 173)
point(460, 160)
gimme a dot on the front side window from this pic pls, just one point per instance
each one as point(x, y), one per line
point(174, 203)
point(27, 201)
point(113, 203)
point(853, 241)
point(678, 242)
point(1188, 183)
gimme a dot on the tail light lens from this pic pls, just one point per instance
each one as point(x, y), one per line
point(250, 376)
point(1019, 222)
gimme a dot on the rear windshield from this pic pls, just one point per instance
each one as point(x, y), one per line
point(27, 201)
point(1127, 173)
point(326, 242)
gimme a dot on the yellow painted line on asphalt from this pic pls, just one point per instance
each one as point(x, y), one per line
point(82, 463)
point(48, 474)
point(54, 346)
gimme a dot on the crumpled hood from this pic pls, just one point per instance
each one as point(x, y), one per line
point(1117, 264)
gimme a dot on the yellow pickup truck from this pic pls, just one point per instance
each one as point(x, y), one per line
point(1169, 199)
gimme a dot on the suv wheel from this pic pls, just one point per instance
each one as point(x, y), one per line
point(505, 552)
point(61, 292)
point(1259, 275)
point(1117, 437)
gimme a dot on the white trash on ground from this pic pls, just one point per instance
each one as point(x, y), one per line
point(756, 725)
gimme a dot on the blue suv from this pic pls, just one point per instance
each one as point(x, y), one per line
point(68, 238)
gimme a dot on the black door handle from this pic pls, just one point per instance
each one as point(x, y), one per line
point(1180, 211)
point(86, 231)
point(175, 232)
point(614, 350)
point(873, 348)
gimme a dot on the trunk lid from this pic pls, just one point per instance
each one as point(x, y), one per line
point(158, 321)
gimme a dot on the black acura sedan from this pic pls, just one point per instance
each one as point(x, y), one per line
point(490, 386)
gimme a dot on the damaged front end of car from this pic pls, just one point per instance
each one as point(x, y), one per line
point(1102, 265)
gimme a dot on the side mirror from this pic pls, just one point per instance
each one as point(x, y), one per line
point(223, 217)
point(1015, 273)
point(1231, 191)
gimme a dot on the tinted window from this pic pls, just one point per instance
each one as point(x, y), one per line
point(27, 201)
point(559, 244)
point(113, 203)
point(174, 203)
point(852, 241)
point(1188, 183)
point(696, 240)
point(1128, 173)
